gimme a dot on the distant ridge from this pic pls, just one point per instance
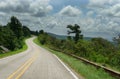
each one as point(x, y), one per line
point(58, 36)
point(65, 36)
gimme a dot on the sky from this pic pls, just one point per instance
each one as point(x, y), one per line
point(96, 18)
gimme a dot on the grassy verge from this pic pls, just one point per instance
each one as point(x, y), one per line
point(87, 71)
point(15, 52)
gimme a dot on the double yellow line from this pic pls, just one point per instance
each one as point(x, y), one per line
point(21, 70)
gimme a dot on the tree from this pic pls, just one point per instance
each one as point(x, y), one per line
point(1, 35)
point(69, 37)
point(76, 30)
point(34, 33)
point(12, 34)
point(16, 27)
point(26, 31)
point(7, 38)
point(103, 46)
point(43, 38)
point(41, 32)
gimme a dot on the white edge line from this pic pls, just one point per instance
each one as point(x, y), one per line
point(66, 68)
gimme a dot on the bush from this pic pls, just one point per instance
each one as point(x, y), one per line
point(98, 49)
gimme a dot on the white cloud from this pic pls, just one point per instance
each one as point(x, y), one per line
point(107, 15)
point(2, 13)
point(112, 11)
point(98, 3)
point(102, 3)
point(96, 19)
point(113, 26)
point(33, 7)
point(90, 13)
point(40, 7)
point(70, 11)
point(105, 7)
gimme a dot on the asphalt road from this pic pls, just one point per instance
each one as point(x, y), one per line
point(35, 63)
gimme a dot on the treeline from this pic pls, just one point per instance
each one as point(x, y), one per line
point(97, 49)
point(12, 34)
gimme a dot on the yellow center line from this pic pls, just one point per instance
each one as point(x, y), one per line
point(23, 71)
point(12, 75)
point(24, 67)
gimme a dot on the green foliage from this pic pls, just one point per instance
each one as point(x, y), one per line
point(82, 48)
point(69, 38)
point(34, 33)
point(2, 55)
point(26, 31)
point(87, 71)
point(97, 49)
point(41, 32)
point(67, 46)
point(75, 29)
point(16, 27)
point(12, 34)
point(42, 38)
point(115, 60)
point(7, 38)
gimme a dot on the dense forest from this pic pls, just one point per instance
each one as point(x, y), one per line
point(97, 49)
point(12, 34)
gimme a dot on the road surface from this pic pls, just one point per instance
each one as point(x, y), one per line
point(34, 63)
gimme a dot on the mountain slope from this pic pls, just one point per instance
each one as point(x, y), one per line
point(65, 36)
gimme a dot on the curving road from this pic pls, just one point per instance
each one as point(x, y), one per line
point(34, 63)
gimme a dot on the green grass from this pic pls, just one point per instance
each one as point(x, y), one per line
point(36, 41)
point(87, 71)
point(15, 52)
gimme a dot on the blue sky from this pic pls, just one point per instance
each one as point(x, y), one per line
point(59, 4)
point(97, 18)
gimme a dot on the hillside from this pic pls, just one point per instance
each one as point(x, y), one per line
point(65, 36)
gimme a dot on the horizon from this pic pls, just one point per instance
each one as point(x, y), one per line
point(107, 38)
point(97, 18)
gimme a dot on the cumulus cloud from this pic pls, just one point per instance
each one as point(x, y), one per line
point(70, 11)
point(90, 13)
point(100, 16)
point(15, 5)
point(36, 8)
point(52, 24)
point(102, 3)
point(112, 11)
point(40, 7)
point(113, 26)
point(97, 3)
point(105, 7)
point(107, 14)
